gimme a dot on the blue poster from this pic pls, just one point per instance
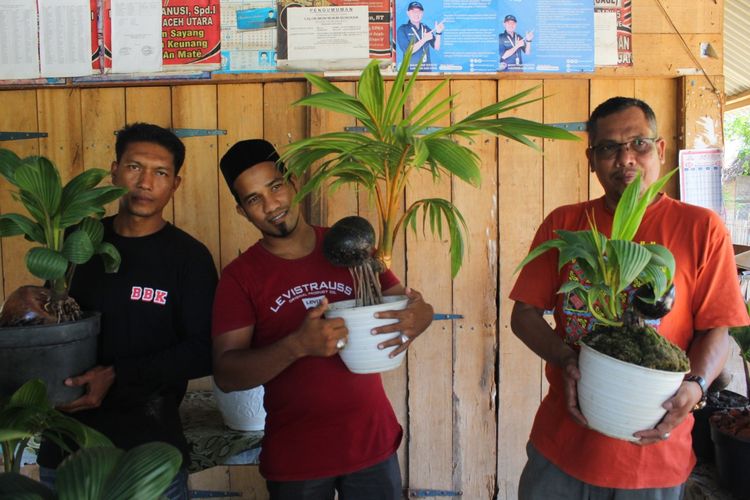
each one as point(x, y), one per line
point(448, 36)
point(555, 36)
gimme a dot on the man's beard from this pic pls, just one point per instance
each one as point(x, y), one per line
point(284, 229)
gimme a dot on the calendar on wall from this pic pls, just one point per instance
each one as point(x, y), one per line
point(700, 178)
point(248, 35)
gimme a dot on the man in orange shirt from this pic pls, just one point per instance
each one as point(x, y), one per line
point(565, 456)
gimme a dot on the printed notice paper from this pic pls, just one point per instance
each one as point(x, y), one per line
point(65, 37)
point(136, 36)
point(328, 33)
point(19, 54)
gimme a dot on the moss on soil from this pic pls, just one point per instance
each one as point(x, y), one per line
point(640, 346)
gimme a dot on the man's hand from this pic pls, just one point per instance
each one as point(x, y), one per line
point(678, 407)
point(571, 375)
point(412, 321)
point(318, 336)
point(97, 380)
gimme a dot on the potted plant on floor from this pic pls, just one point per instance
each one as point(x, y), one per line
point(623, 283)
point(396, 145)
point(96, 471)
point(44, 333)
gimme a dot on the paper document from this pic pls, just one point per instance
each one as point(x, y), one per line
point(19, 51)
point(136, 36)
point(605, 38)
point(65, 37)
point(328, 33)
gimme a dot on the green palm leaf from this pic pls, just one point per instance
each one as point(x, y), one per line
point(435, 211)
point(629, 259)
point(40, 179)
point(455, 159)
point(110, 256)
point(144, 472)
point(94, 228)
point(632, 206)
point(9, 162)
point(16, 224)
point(45, 263)
point(14, 486)
point(80, 184)
point(85, 474)
point(653, 274)
point(371, 90)
point(78, 247)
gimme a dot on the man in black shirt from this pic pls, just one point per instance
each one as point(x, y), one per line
point(156, 310)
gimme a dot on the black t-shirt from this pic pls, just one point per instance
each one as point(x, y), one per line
point(155, 331)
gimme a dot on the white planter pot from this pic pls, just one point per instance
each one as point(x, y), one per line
point(361, 354)
point(619, 398)
point(242, 410)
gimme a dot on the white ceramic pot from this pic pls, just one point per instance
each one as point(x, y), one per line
point(619, 398)
point(361, 354)
point(242, 410)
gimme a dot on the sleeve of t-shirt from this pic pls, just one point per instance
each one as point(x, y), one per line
point(538, 281)
point(233, 305)
point(717, 300)
point(388, 280)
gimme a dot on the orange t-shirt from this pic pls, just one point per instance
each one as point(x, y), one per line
point(707, 296)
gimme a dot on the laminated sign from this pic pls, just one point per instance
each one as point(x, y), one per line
point(190, 35)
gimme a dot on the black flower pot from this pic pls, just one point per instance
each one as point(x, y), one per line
point(722, 400)
point(51, 353)
point(732, 450)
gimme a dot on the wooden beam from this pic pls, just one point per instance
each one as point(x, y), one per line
point(738, 101)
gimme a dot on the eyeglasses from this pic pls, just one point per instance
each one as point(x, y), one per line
point(639, 145)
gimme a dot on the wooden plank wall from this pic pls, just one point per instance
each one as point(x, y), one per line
point(468, 390)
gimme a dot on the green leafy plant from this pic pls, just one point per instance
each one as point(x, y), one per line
point(610, 268)
point(738, 128)
point(64, 222)
point(611, 265)
point(742, 335)
point(96, 471)
point(28, 413)
point(397, 144)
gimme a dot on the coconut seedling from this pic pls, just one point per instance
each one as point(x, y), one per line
point(396, 144)
point(350, 243)
point(64, 223)
point(624, 282)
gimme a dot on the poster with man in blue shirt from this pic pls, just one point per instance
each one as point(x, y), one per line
point(421, 37)
point(513, 46)
point(545, 36)
point(448, 36)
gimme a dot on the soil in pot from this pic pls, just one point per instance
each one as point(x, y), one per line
point(715, 402)
point(641, 346)
point(730, 432)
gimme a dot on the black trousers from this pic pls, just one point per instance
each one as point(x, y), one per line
point(380, 482)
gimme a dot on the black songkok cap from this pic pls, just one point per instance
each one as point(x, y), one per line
point(244, 155)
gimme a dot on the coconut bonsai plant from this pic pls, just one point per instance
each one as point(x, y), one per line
point(623, 284)
point(395, 145)
point(97, 470)
point(64, 223)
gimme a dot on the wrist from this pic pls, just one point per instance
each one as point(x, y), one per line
point(294, 346)
point(702, 385)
